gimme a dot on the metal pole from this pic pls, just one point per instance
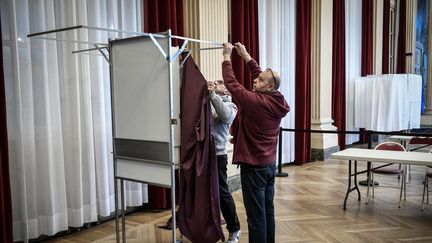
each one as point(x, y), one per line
point(123, 207)
point(113, 147)
point(173, 201)
point(369, 134)
point(116, 207)
point(279, 172)
point(369, 164)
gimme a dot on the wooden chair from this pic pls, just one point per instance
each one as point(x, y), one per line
point(386, 170)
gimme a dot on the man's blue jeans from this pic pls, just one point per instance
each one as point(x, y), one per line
point(258, 193)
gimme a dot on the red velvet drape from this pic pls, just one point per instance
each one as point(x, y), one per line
point(367, 38)
point(338, 70)
point(303, 81)
point(244, 29)
point(401, 48)
point(386, 37)
point(367, 44)
point(160, 15)
point(6, 231)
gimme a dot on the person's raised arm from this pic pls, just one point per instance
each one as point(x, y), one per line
point(227, 51)
point(239, 93)
point(241, 51)
point(254, 69)
point(222, 111)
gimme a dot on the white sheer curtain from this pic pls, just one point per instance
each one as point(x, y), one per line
point(59, 115)
point(277, 51)
point(353, 19)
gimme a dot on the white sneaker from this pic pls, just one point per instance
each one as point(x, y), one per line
point(234, 237)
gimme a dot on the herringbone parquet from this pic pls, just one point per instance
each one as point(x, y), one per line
point(309, 209)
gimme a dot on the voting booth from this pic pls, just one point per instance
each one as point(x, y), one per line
point(145, 104)
point(390, 102)
point(146, 110)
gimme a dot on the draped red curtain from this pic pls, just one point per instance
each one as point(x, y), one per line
point(160, 15)
point(401, 48)
point(303, 81)
point(367, 38)
point(338, 70)
point(244, 29)
point(367, 44)
point(6, 232)
point(386, 37)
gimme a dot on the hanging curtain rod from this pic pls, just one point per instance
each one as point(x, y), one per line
point(156, 35)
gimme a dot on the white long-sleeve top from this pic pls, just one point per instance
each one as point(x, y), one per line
point(223, 114)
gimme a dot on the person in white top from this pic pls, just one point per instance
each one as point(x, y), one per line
point(223, 114)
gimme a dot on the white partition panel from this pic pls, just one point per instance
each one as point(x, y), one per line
point(140, 74)
point(141, 109)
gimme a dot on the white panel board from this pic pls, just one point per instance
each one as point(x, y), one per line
point(141, 91)
point(145, 172)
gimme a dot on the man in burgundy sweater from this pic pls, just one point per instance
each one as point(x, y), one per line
point(261, 111)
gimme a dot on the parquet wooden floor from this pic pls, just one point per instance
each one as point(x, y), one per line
point(309, 209)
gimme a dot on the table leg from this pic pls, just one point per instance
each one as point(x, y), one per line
point(349, 185)
point(349, 189)
point(355, 180)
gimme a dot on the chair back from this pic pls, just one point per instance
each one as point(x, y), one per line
point(390, 146)
point(420, 140)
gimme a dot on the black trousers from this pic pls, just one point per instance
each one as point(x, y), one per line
point(227, 204)
point(258, 196)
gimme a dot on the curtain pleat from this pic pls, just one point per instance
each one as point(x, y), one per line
point(338, 70)
point(244, 29)
point(6, 226)
point(401, 44)
point(277, 51)
point(386, 37)
point(59, 113)
point(162, 15)
point(303, 81)
point(367, 45)
point(353, 19)
point(158, 17)
point(367, 38)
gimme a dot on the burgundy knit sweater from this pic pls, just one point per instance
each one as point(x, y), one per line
point(259, 119)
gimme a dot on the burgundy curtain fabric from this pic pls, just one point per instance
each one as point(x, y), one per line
point(338, 70)
point(6, 232)
point(303, 81)
point(199, 210)
point(367, 45)
point(401, 48)
point(160, 15)
point(386, 37)
point(367, 38)
point(244, 29)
